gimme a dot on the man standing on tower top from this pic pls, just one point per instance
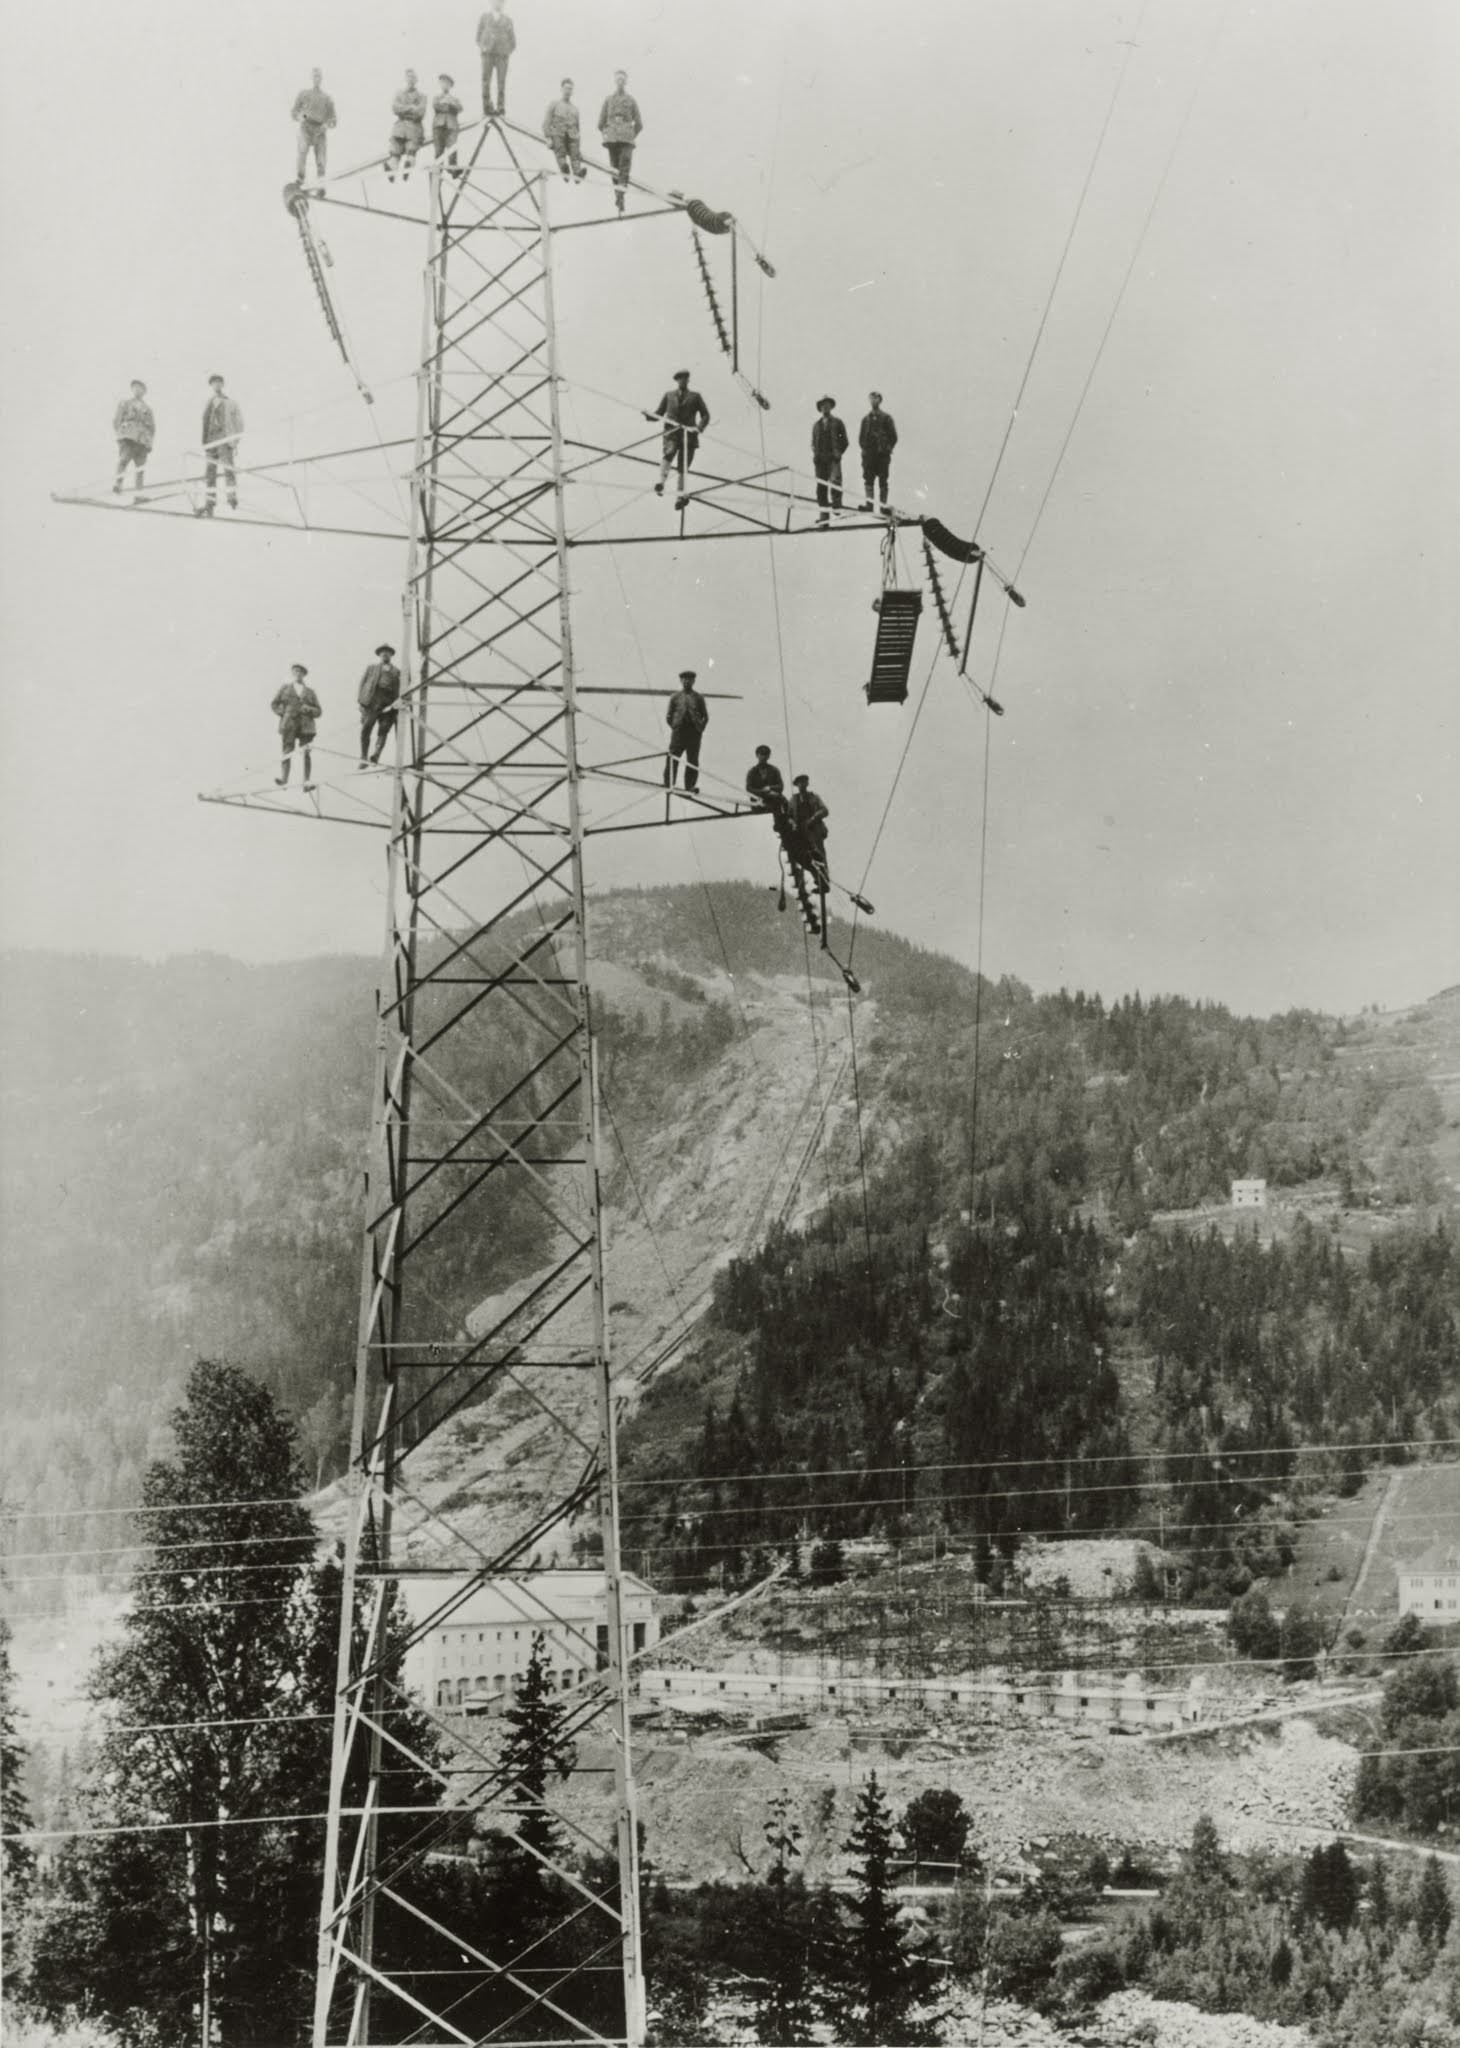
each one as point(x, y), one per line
point(685, 416)
point(446, 124)
point(314, 110)
point(619, 125)
point(222, 431)
point(878, 438)
point(496, 39)
point(687, 717)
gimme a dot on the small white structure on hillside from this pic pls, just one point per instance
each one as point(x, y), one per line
point(1429, 1586)
point(1249, 1194)
point(479, 1650)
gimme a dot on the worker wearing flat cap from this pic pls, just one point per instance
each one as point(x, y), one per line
point(807, 815)
point(297, 709)
point(828, 446)
point(687, 717)
point(685, 416)
point(379, 689)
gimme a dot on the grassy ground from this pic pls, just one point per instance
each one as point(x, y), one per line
point(1423, 1508)
point(1331, 1551)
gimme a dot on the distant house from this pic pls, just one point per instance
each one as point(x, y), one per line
point(1249, 1194)
point(1429, 1586)
point(479, 1649)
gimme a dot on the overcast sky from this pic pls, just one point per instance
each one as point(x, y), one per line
point(1228, 764)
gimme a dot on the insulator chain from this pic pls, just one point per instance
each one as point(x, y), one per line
point(715, 314)
point(945, 617)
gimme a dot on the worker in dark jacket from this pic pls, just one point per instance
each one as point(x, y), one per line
point(685, 416)
point(496, 39)
point(297, 709)
point(314, 110)
point(878, 438)
point(828, 446)
point(765, 784)
point(806, 815)
point(379, 691)
point(619, 125)
point(446, 124)
point(687, 717)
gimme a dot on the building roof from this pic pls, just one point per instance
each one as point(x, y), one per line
point(1440, 1557)
point(525, 1600)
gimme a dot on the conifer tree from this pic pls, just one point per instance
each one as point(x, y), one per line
point(199, 1891)
point(17, 1858)
point(537, 1749)
point(1433, 1907)
point(795, 1934)
point(881, 1983)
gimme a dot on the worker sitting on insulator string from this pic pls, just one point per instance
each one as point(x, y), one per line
point(828, 446)
point(379, 693)
point(496, 39)
point(766, 785)
point(806, 816)
point(561, 126)
point(409, 132)
point(314, 110)
point(687, 716)
point(135, 430)
point(877, 439)
point(222, 432)
point(298, 711)
point(685, 416)
point(446, 124)
point(619, 125)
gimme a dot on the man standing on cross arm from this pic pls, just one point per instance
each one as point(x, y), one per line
point(222, 431)
point(379, 693)
point(687, 717)
point(828, 446)
point(877, 439)
point(685, 416)
point(135, 430)
point(619, 125)
point(314, 110)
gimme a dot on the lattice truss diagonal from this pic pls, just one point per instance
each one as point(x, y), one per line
point(484, 1163)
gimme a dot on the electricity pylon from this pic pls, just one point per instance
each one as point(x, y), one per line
point(483, 1080)
point(484, 1076)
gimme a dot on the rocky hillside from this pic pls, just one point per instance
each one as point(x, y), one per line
point(180, 1171)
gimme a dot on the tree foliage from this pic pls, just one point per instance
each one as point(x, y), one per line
point(203, 1873)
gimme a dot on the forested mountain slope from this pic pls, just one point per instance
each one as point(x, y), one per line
point(181, 1176)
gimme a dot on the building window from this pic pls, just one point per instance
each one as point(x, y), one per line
point(640, 1635)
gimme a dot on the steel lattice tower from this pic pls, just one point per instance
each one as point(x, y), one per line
point(483, 1081)
point(486, 933)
